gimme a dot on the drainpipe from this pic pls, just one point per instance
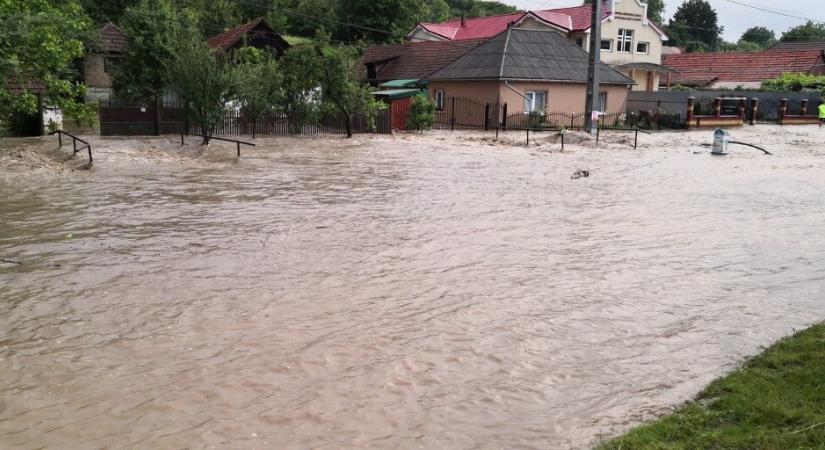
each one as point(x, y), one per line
point(524, 96)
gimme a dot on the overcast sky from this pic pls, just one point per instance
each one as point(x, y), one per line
point(735, 18)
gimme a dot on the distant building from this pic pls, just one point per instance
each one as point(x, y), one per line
point(631, 42)
point(792, 46)
point(738, 70)
point(100, 61)
point(256, 33)
point(530, 71)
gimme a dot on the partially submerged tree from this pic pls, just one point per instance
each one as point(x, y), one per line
point(207, 81)
point(39, 39)
point(422, 113)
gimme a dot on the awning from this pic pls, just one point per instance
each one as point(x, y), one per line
point(400, 83)
point(393, 94)
point(645, 66)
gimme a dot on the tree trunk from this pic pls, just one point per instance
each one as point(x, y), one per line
point(348, 124)
point(205, 131)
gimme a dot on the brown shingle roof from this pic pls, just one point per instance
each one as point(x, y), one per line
point(697, 69)
point(788, 46)
point(414, 60)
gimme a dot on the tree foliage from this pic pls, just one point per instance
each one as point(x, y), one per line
point(152, 28)
point(803, 33)
point(695, 27)
point(758, 35)
point(39, 39)
point(422, 113)
point(796, 82)
point(108, 10)
point(259, 81)
point(207, 81)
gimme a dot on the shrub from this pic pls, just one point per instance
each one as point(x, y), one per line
point(422, 113)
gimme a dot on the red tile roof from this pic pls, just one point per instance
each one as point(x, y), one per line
point(699, 69)
point(112, 39)
point(571, 19)
point(414, 60)
point(787, 46)
point(229, 38)
point(24, 83)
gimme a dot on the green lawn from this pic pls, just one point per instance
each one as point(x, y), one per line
point(776, 401)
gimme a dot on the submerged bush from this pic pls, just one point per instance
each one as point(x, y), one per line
point(422, 113)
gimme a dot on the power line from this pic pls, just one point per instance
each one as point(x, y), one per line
point(773, 11)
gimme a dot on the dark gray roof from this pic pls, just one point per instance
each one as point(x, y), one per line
point(518, 54)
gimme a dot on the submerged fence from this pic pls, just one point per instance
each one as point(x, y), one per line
point(130, 119)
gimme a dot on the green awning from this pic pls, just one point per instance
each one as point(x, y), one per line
point(399, 83)
point(394, 94)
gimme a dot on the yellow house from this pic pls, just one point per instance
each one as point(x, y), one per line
point(631, 42)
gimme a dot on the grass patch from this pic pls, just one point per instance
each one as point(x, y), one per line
point(775, 401)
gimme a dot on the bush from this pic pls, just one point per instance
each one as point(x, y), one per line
point(422, 113)
point(795, 82)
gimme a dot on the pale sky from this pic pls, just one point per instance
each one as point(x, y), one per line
point(735, 18)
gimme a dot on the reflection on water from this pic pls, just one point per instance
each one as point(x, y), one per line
point(393, 295)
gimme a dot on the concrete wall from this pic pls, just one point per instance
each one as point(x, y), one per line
point(94, 71)
point(481, 91)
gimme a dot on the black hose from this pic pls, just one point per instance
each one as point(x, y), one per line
point(751, 145)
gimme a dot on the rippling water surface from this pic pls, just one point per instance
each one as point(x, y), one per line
point(391, 294)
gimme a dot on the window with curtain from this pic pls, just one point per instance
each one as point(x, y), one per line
point(535, 101)
point(625, 41)
point(439, 100)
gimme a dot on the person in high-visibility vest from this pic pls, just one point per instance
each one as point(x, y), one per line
point(822, 113)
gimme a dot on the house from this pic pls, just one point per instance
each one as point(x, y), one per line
point(530, 71)
point(256, 33)
point(738, 70)
point(100, 61)
point(411, 61)
point(631, 42)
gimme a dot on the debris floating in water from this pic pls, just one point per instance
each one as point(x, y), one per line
point(8, 261)
point(581, 173)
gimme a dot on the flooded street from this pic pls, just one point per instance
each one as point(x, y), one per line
point(393, 292)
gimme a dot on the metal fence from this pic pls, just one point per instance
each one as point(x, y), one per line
point(128, 119)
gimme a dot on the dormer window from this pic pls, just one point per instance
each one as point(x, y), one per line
point(625, 42)
point(643, 48)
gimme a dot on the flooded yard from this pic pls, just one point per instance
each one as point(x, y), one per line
point(395, 292)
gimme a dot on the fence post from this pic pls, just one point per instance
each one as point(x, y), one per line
point(486, 116)
point(157, 114)
point(783, 109)
point(742, 107)
point(717, 106)
point(504, 119)
point(690, 101)
point(452, 114)
point(598, 131)
point(59, 139)
point(636, 140)
point(528, 135)
point(803, 108)
point(754, 110)
point(572, 118)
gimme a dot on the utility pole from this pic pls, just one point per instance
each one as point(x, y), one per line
point(591, 122)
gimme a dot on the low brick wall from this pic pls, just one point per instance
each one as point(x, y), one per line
point(800, 120)
point(716, 122)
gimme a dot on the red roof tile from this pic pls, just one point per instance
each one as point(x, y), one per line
point(571, 19)
point(229, 38)
point(112, 39)
point(700, 68)
point(414, 60)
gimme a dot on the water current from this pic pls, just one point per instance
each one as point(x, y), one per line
point(388, 293)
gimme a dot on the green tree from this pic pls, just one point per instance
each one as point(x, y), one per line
point(341, 91)
point(152, 28)
point(741, 46)
point(803, 33)
point(259, 85)
point(758, 35)
point(206, 80)
point(394, 18)
point(106, 11)
point(655, 9)
point(439, 11)
point(795, 82)
point(478, 8)
point(39, 39)
point(422, 113)
point(299, 99)
point(695, 26)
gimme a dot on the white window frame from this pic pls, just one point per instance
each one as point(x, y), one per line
point(625, 40)
point(532, 106)
point(610, 47)
point(647, 47)
point(439, 100)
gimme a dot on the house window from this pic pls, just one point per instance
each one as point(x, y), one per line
point(535, 101)
point(607, 45)
point(109, 65)
point(643, 47)
point(580, 42)
point(439, 100)
point(602, 101)
point(625, 41)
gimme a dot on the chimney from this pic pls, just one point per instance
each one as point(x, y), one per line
point(463, 23)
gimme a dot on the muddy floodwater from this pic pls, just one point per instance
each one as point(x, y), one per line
point(392, 292)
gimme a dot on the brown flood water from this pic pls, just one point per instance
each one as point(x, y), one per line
point(393, 294)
